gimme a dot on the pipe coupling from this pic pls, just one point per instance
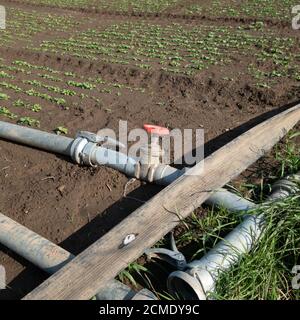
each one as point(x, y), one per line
point(286, 186)
point(77, 148)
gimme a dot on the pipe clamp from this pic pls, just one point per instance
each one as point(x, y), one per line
point(87, 154)
point(77, 148)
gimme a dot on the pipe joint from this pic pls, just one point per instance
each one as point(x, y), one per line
point(286, 186)
point(87, 154)
point(82, 151)
point(77, 149)
point(161, 174)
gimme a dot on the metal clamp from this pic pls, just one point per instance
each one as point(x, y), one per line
point(99, 140)
point(173, 256)
point(288, 184)
point(76, 149)
point(84, 144)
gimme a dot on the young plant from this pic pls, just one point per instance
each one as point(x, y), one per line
point(5, 112)
point(3, 96)
point(61, 130)
point(29, 121)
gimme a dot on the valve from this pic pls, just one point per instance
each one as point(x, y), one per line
point(156, 130)
point(150, 154)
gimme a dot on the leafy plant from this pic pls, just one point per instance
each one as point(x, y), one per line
point(4, 96)
point(61, 130)
point(29, 121)
point(5, 112)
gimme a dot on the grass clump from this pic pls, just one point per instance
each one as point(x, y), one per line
point(266, 272)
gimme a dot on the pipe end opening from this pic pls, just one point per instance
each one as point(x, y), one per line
point(184, 286)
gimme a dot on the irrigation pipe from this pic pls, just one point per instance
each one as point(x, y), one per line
point(50, 258)
point(83, 149)
point(200, 276)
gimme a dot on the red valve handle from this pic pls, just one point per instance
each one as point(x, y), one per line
point(152, 129)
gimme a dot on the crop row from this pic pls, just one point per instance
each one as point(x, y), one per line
point(148, 6)
point(173, 47)
point(23, 25)
point(261, 9)
point(25, 89)
point(179, 49)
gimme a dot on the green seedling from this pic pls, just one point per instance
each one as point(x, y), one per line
point(4, 96)
point(29, 121)
point(5, 112)
point(61, 130)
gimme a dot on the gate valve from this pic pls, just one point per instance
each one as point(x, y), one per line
point(151, 154)
point(156, 130)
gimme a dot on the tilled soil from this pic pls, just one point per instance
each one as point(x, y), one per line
point(72, 205)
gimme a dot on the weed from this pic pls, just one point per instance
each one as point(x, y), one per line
point(61, 130)
point(29, 121)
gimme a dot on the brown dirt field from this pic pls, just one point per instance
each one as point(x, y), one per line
point(73, 206)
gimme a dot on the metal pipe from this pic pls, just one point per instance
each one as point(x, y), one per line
point(84, 149)
point(116, 160)
point(35, 138)
point(34, 248)
point(223, 198)
point(50, 257)
point(79, 149)
point(200, 277)
point(165, 174)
